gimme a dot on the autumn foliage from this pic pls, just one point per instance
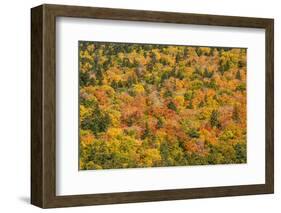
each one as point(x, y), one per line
point(145, 105)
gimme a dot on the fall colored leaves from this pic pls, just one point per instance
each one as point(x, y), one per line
point(145, 105)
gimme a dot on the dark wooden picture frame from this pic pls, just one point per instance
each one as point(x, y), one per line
point(43, 105)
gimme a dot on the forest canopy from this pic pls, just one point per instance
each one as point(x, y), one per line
point(150, 105)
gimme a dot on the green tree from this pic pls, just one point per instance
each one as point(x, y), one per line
point(214, 119)
point(97, 122)
point(236, 114)
point(171, 105)
point(193, 133)
point(238, 75)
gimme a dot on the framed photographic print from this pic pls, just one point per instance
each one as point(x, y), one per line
point(136, 106)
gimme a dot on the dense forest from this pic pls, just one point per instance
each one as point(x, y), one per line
point(148, 105)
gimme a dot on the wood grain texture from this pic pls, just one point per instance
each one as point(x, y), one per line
point(269, 117)
point(36, 106)
point(43, 105)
